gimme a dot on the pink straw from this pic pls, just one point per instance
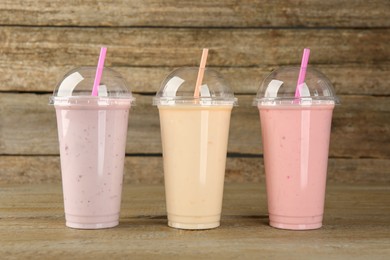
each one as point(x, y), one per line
point(202, 66)
point(99, 71)
point(302, 72)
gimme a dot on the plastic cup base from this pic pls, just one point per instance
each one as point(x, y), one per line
point(295, 222)
point(92, 225)
point(193, 226)
point(295, 226)
point(79, 221)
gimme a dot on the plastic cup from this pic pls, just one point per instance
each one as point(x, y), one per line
point(194, 133)
point(295, 134)
point(92, 134)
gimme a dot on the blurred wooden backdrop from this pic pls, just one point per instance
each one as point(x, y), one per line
point(41, 40)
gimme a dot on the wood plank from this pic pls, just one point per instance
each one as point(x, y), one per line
point(169, 47)
point(355, 79)
point(360, 128)
point(149, 170)
point(356, 226)
point(202, 13)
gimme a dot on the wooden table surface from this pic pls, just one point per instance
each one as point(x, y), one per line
point(356, 225)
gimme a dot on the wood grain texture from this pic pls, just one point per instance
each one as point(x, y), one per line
point(347, 79)
point(203, 13)
point(356, 225)
point(34, 59)
point(168, 47)
point(149, 170)
point(361, 127)
point(41, 40)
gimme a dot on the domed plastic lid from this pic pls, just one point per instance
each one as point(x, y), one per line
point(77, 85)
point(279, 88)
point(178, 89)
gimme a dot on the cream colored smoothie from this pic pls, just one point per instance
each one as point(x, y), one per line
point(194, 134)
point(194, 140)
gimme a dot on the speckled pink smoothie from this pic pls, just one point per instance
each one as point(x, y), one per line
point(296, 144)
point(92, 139)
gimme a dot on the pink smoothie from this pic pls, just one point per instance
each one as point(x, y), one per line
point(296, 144)
point(92, 139)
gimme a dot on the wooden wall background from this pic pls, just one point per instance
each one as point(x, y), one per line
point(41, 40)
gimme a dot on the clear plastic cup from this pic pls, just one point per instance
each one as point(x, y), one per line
point(92, 134)
point(295, 134)
point(194, 133)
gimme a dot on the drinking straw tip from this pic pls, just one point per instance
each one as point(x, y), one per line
point(99, 71)
point(202, 66)
point(302, 71)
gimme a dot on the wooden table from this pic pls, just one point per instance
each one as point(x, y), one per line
point(356, 225)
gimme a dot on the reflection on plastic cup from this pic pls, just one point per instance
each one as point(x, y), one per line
point(92, 139)
point(295, 134)
point(194, 134)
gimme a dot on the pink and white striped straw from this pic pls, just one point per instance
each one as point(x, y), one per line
point(302, 72)
point(99, 71)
